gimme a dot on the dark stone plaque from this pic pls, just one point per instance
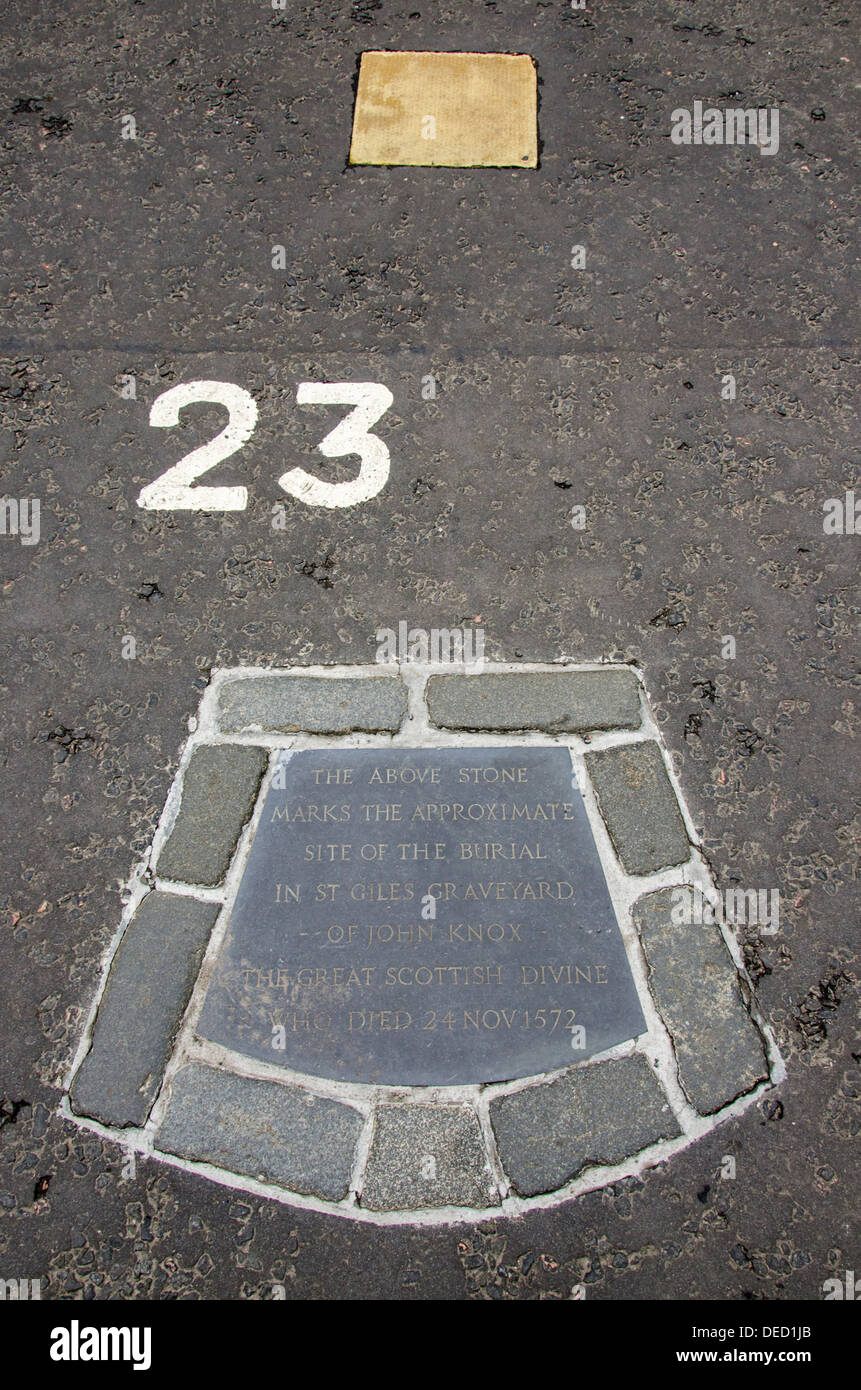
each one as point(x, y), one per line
point(423, 916)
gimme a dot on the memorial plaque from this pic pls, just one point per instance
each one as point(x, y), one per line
point(422, 916)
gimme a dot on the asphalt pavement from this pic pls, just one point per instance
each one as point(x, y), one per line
point(137, 264)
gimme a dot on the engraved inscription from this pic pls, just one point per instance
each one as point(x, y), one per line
point(382, 933)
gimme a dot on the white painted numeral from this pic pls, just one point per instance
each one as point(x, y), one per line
point(370, 400)
point(173, 490)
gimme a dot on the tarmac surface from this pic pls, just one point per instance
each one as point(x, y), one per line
point(555, 388)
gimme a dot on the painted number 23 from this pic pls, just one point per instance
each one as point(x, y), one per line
point(173, 490)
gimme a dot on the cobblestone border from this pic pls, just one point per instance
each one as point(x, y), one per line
point(143, 1078)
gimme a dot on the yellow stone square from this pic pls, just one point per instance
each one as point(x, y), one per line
point(458, 110)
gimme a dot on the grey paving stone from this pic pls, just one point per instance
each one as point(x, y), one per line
point(639, 806)
point(427, 1156)
point(147, 990)
point(563, 701)
point(218, 794)
point(316, 704)
point(694, 982)
point(264, 1130)
point(589, 1116)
